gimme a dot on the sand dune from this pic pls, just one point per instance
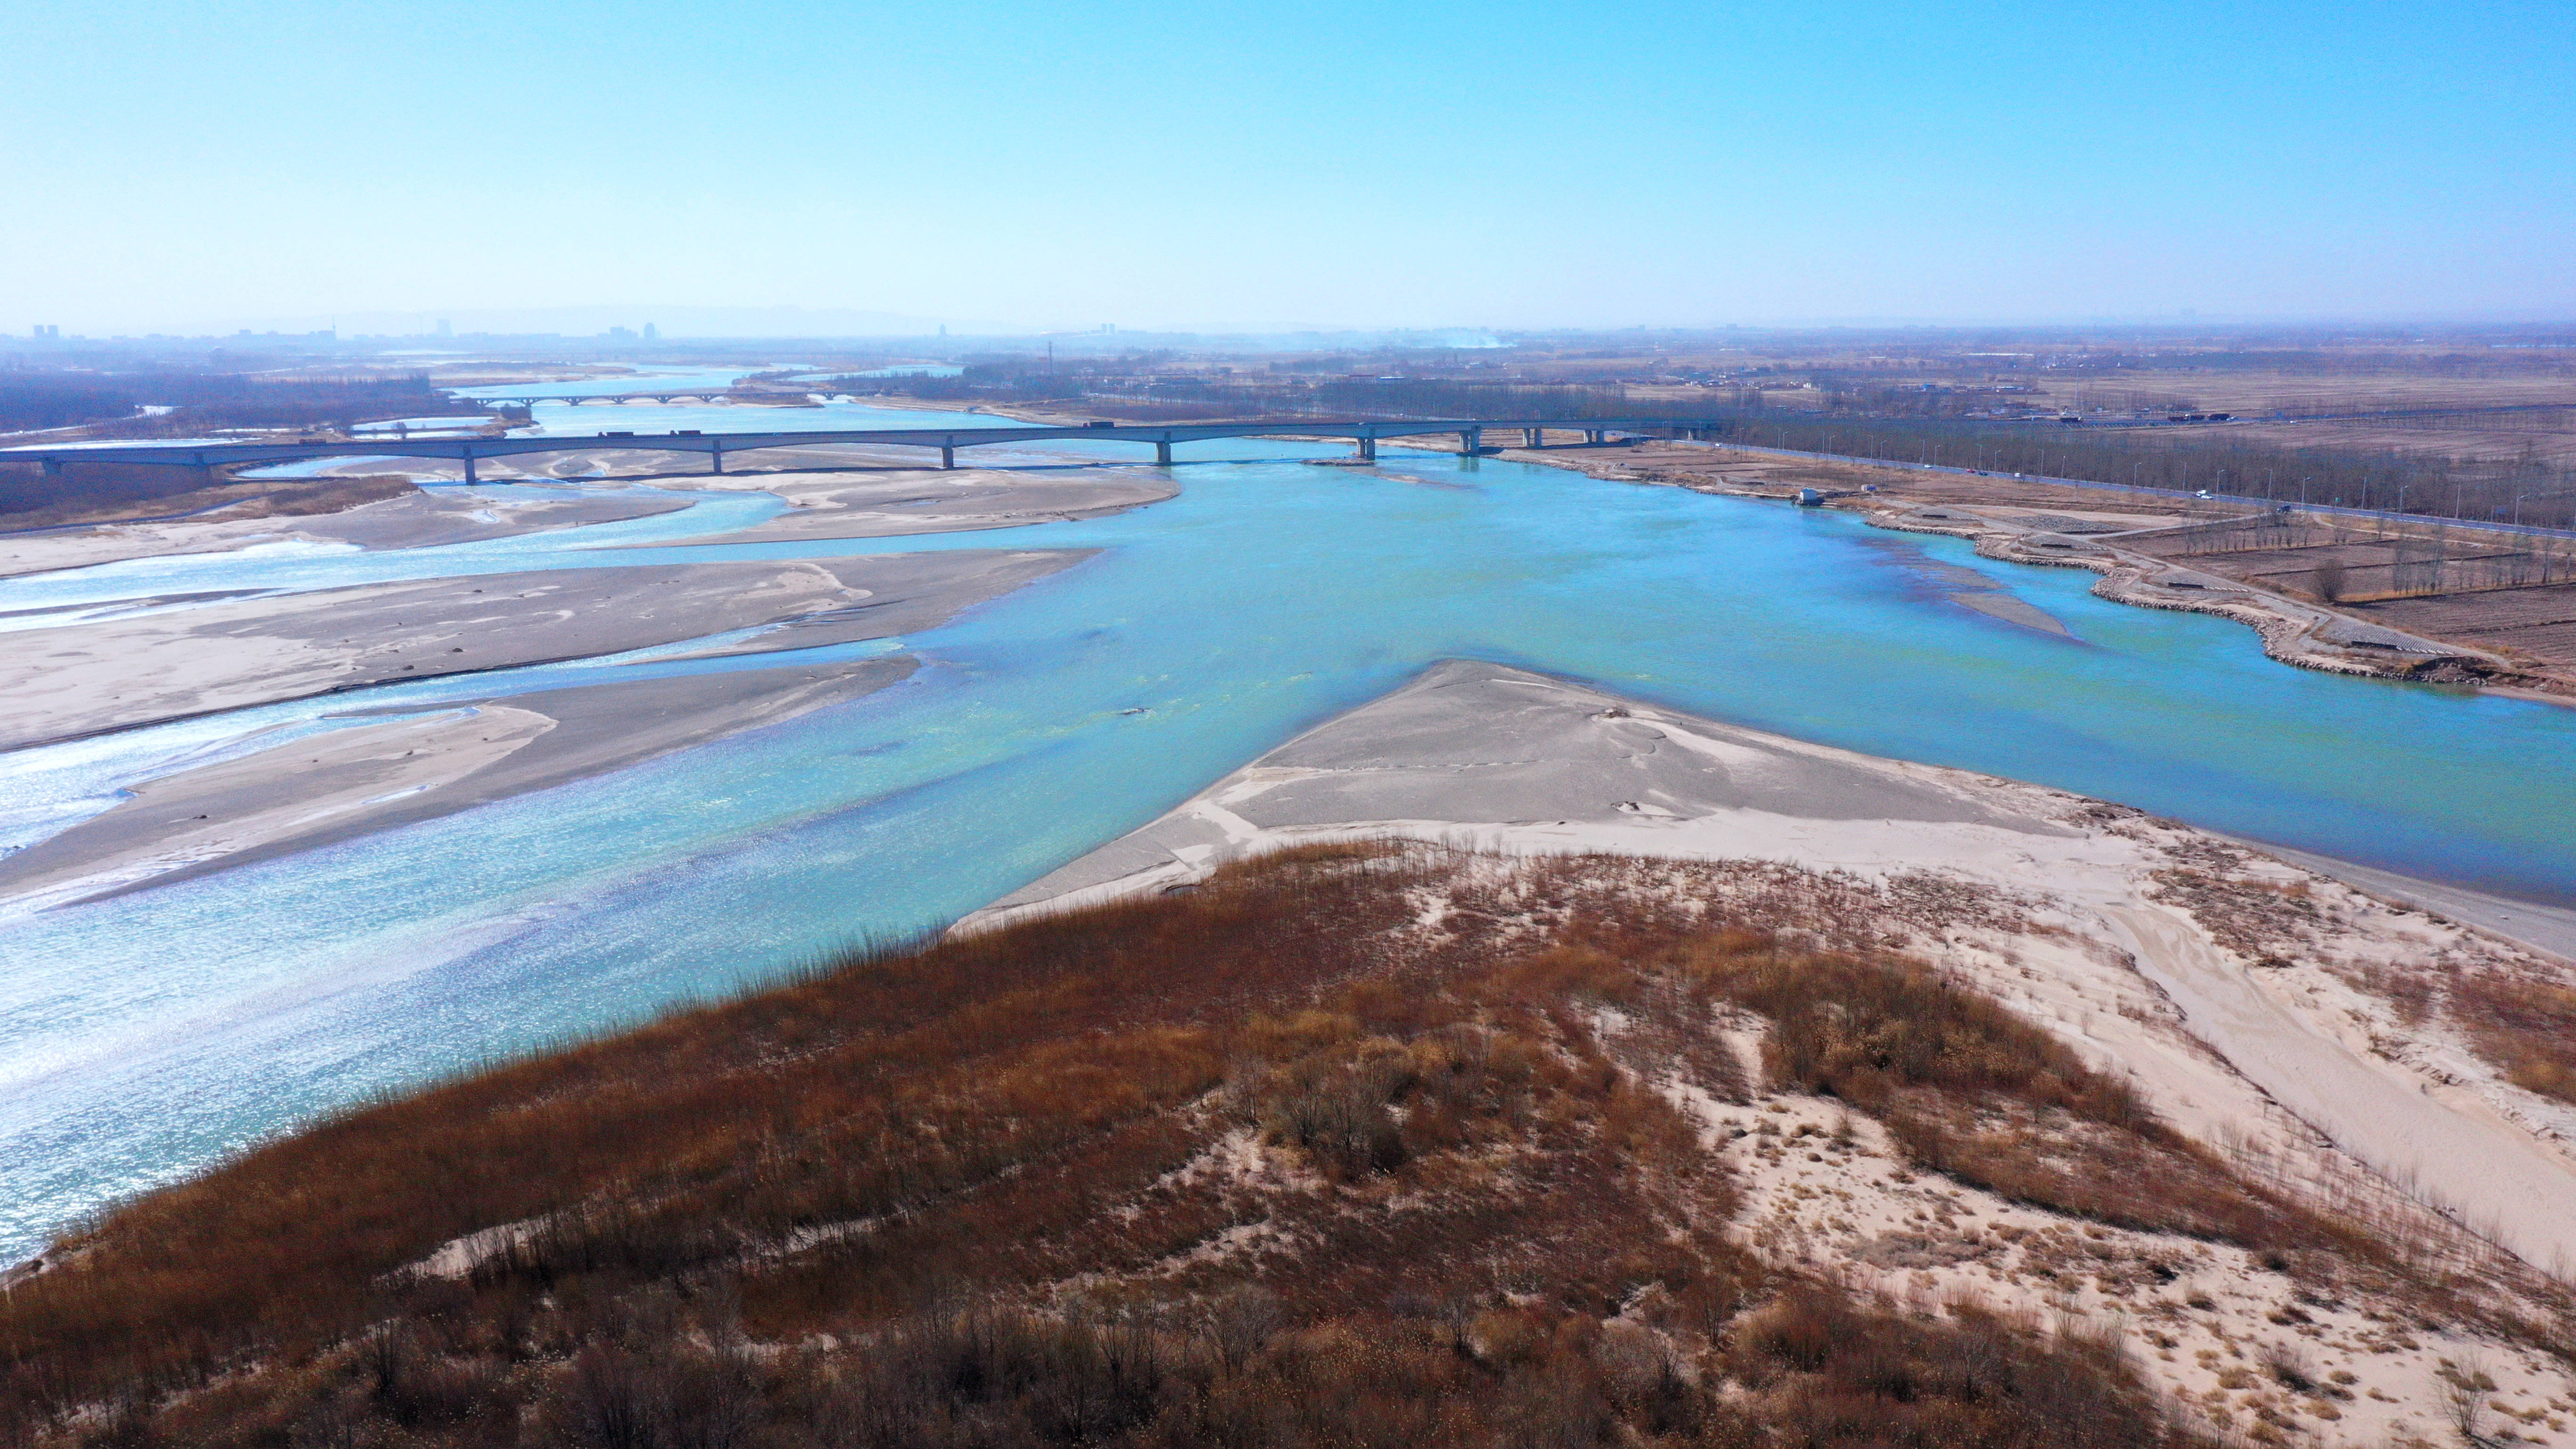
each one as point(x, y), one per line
point(2281, 1049)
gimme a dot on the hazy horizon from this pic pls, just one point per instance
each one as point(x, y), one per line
point(1236, 169)
point(788, 323)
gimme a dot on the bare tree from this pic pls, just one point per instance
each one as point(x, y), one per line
point(2465, 1387)
point(2327, 578)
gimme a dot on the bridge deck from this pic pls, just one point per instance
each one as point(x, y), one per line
point(720, 445)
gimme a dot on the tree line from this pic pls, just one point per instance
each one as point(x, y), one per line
point(111, 404)
point(2526, 489)
point(1859, 420)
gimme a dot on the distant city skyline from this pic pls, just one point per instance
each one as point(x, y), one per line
point(1263, 168)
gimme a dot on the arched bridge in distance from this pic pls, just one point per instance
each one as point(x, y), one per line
point(710, 396)
point(574, 400)
point(1364, 435)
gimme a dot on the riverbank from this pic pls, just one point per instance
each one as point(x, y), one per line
point(2111, 533)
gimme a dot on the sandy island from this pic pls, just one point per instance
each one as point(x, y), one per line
point(418, 766)
point(857, 491)
point(87, 679)
point(845, 494)
point(880, 504)
point(2231, 985)
point(413, 520)
point(434, 760)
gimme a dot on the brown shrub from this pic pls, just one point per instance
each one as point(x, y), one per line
point(1836, 1373)
point(1866, 1031)
point(2524, 1025)
point(1969, 1089)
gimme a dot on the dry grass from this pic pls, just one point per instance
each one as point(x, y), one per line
point(2524, 1025)
point(1269, 1162)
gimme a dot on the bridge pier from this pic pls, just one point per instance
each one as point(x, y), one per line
point(1163, 453)
point(1367, 446)
point(469, 467)
point(948, 455)
point(1596, 435)
point(717, 453)
point(1533, 437)
point(53, 467)
point(1471, 441)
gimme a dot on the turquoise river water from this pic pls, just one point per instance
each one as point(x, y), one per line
point(145, 1035)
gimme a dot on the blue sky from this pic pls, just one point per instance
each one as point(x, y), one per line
point(270, 162)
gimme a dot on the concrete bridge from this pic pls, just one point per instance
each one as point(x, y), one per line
point(1363, 434)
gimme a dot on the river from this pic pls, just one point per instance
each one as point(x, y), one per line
point(143, 1036)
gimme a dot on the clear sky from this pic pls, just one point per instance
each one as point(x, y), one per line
point(179, 166)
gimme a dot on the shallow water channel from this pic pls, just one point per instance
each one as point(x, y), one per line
point(143, 1036)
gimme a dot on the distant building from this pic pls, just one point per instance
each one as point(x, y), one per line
point(46, 333)
point(619, 334)
point(652, 333)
